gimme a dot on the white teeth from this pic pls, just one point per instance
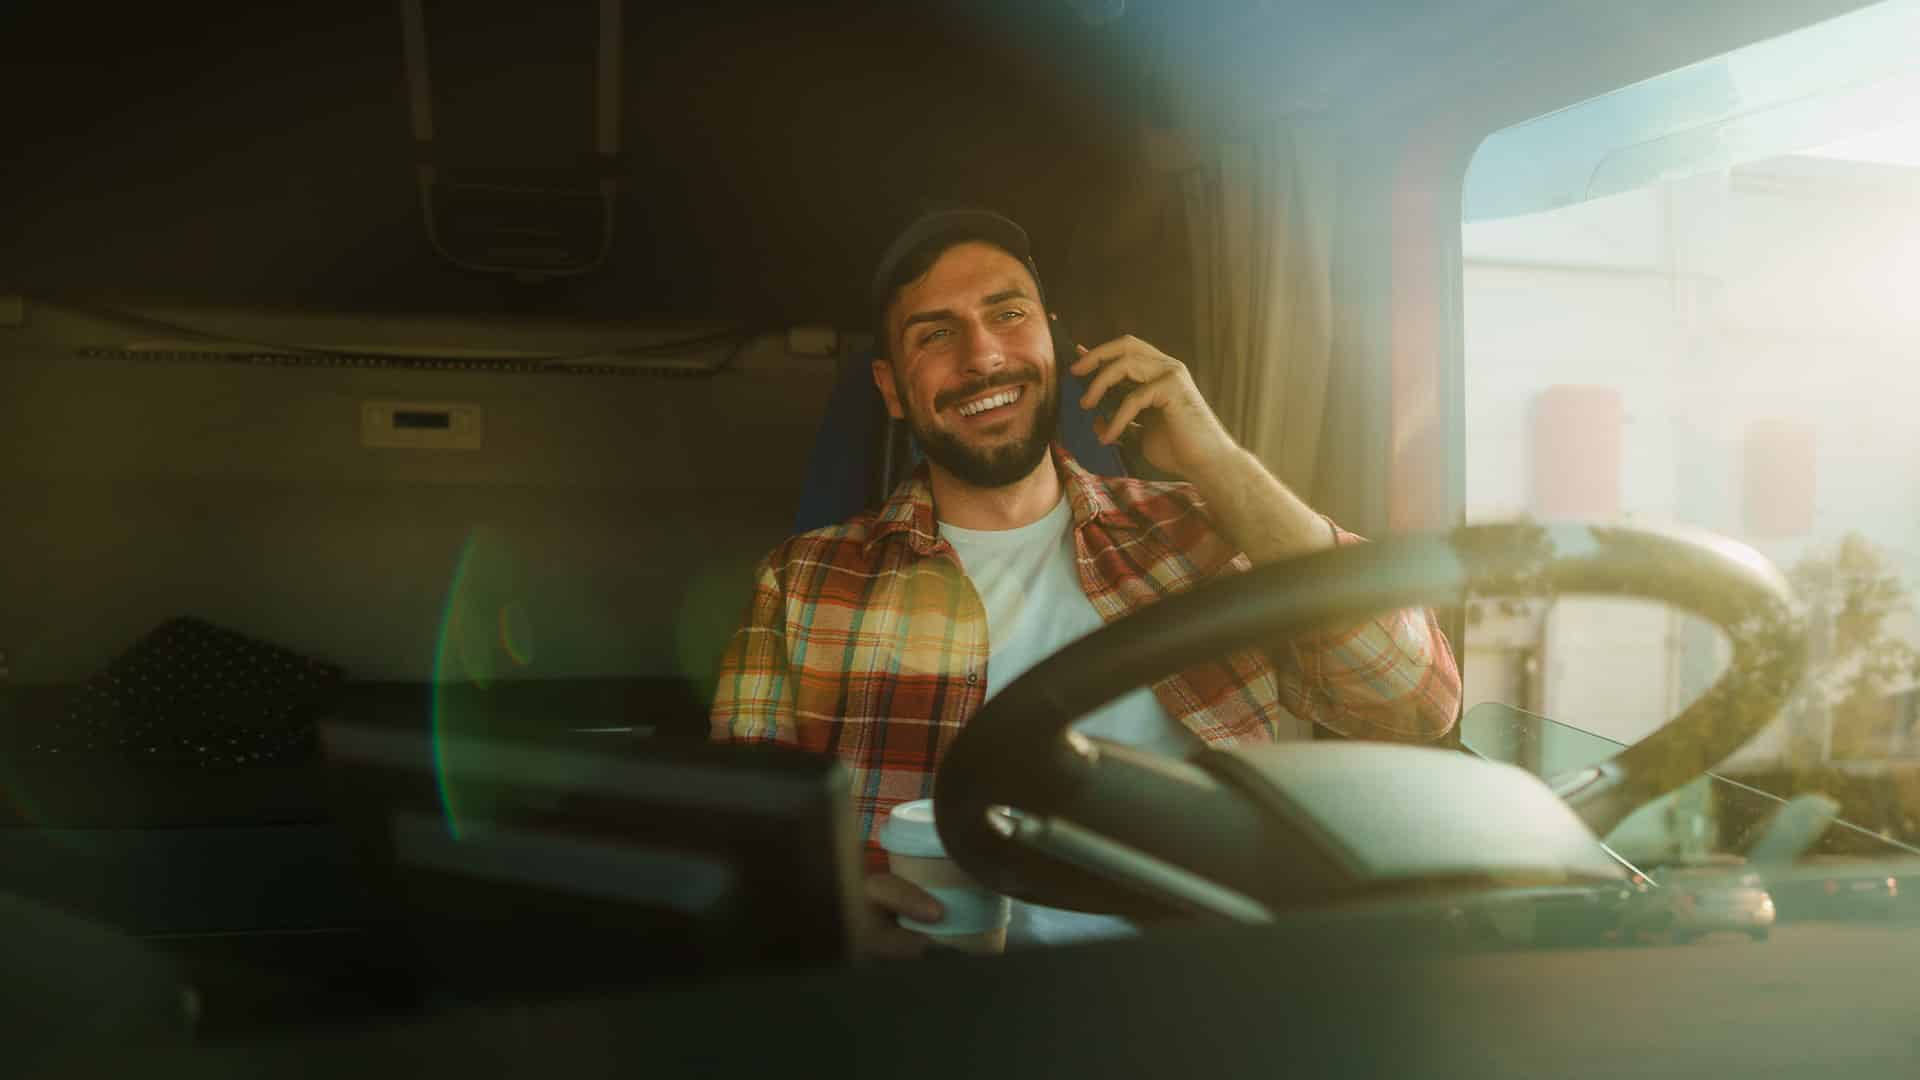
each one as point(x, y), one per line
point(1004, 397)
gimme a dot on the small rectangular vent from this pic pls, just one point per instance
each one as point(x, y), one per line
point(432, 425)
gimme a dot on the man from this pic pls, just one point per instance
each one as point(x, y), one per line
point(877, 639)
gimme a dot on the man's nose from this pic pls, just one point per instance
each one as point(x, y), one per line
point(985, 352)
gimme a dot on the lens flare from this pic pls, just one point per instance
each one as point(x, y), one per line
point(516, 634)
point(485, 633)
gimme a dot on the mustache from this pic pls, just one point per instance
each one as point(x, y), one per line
point(949, 398)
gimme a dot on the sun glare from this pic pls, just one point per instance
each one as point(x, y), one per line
point(1889, 146)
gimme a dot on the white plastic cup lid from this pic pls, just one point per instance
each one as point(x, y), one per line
point(909, 830)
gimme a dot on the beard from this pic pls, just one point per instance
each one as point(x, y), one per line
point(1003, 464)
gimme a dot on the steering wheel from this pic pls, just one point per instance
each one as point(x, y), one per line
point(1017, 762)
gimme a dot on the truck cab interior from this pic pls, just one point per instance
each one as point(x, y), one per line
point(396, 399)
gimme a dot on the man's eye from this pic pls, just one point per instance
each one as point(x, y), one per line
point(930, 336)
point(1010, 314)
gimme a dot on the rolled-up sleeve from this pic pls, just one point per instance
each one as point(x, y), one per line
point(1392, 677)
point(753, 700)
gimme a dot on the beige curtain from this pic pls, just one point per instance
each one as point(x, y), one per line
point(1258, 215)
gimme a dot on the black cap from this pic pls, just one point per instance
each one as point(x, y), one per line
point(947, 227)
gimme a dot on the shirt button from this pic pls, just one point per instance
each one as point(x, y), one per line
point(972, 677)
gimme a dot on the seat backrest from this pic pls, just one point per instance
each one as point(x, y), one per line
point(860, 454)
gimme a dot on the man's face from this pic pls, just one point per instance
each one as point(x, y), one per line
point(970, 366)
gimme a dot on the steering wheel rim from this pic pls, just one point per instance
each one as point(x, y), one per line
point(1017, 751)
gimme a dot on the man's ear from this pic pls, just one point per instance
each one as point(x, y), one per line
point(889, 392)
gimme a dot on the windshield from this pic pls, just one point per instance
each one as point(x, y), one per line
point(1708, 338)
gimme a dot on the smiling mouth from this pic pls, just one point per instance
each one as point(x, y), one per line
point(1000, 399)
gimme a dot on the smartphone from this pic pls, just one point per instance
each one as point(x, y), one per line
point(1065, 352)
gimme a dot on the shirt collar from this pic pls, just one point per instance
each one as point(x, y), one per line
point(909, 510)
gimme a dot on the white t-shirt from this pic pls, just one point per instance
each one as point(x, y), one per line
point(1035, 606)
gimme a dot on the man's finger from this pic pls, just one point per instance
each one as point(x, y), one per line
point(894, 942)
point(1103, 353)
point(1148, 396)
point(899, 896)
point(1131, 366)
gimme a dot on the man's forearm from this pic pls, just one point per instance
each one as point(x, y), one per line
point(1257, 512)
point(1389, 677)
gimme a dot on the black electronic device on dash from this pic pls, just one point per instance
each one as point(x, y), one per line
point(520, 867)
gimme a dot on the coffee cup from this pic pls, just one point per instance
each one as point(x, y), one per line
point(975, 917)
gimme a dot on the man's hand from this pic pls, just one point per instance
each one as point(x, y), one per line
point(1179, 432)
point(1181, 435)
point(889, 896)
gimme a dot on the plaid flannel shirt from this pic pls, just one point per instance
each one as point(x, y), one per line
point(865, 640)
